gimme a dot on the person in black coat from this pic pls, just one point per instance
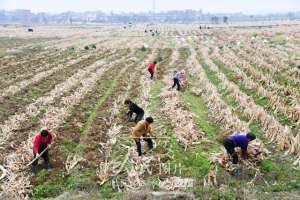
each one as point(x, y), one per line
point(133, 108)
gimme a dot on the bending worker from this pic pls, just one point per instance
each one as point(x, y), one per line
point(151, 69)
point(143, 129)
point(133, 108)
point(41, 142)
point(177, 79)
point(233, 141)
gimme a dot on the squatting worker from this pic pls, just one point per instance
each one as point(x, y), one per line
point(143, 129)
point(151, 69)
point(41, 142)
point(133, 108)
point(233, 141)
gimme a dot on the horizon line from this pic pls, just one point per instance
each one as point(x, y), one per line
point(141, 12)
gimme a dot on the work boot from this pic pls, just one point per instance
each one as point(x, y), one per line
point(33, 170)
point(48, 167)
point(237, 172)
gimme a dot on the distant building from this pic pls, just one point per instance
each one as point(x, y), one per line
point(175, 16)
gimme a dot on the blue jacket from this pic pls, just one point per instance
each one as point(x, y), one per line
point(240, 141)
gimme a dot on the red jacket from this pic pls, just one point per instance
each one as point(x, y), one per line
point(152, 67)
point(39, 141)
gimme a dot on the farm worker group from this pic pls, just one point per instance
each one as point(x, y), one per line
point(142, 130)
point(176, 79)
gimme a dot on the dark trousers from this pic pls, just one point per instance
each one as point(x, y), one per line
point(139, 117)
point(229, 146)
point(151, 73)
point(139, 145)
point(176, 82)
point(45, 156)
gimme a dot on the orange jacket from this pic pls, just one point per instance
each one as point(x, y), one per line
point(142, 128)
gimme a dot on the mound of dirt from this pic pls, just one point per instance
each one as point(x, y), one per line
point(142, 195)
point(72, 195)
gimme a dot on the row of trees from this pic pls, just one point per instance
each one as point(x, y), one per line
point(216, 20)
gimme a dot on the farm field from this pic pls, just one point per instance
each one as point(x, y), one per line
point(74, 81)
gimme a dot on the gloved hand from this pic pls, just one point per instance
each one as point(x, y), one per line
point(245, 154)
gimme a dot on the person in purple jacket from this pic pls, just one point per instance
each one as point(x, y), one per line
point(241, 141)
point(177, 79)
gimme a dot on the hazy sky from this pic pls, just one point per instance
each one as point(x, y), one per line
point(246, 6)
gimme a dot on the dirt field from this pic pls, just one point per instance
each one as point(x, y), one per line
point(74, 80)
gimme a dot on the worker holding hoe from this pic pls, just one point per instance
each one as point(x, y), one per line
point(151, 69)
point(177, 79)
point(133, 108)
point(42, 143)
point(233, 141)
point(143, 129)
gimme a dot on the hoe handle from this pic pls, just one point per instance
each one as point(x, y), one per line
point(37, 156)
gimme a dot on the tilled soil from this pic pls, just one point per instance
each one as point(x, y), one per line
point(17, 103)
